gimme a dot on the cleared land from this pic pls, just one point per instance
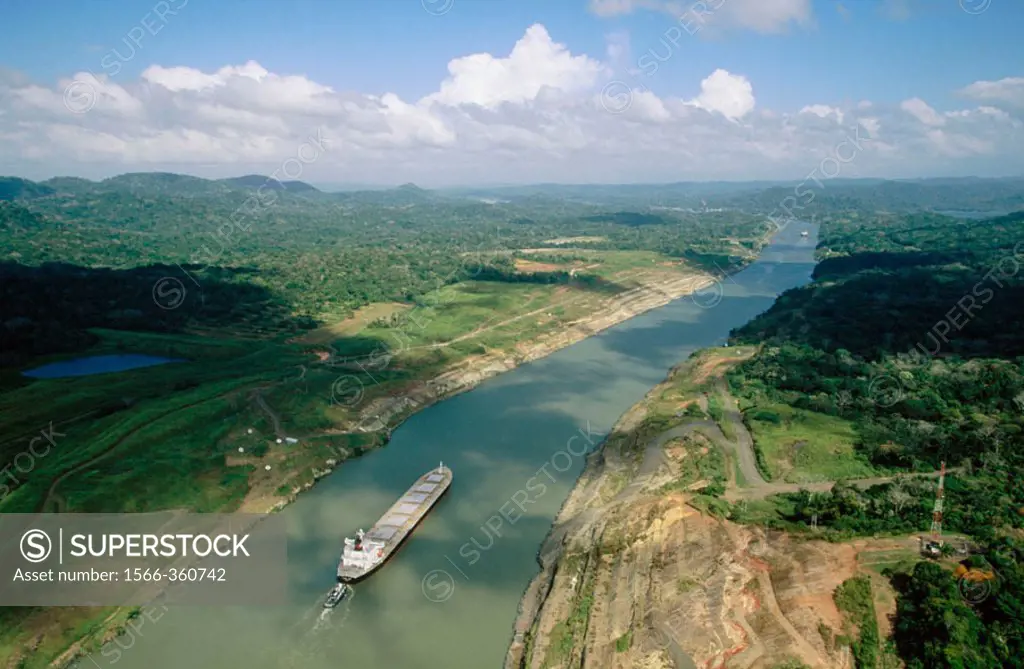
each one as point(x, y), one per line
point(574, 240)
point(638, 573)
point(528, 266)
point(805, 447)
point(354, 323)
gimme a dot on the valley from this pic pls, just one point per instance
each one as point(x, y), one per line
point(722, 499)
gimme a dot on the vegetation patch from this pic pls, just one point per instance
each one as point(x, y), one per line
point(854, 598)
point(568, 635)
point(801, 446)
point(696, 458)
point(623, 643)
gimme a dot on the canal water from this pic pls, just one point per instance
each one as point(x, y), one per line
point(449, 598)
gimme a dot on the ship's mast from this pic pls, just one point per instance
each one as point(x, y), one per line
point(937, 513)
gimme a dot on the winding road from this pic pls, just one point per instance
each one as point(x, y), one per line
point(742, 447)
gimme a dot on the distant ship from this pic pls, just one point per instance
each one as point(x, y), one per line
point(369, 550)
point(805, 234)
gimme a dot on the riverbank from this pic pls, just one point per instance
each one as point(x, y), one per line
point(265, 414)
point(641, 569)
point(387, 413)
point(495, 439)
point(383, 414)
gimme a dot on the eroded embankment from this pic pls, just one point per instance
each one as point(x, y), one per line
point(634, 577)
point(389, 411)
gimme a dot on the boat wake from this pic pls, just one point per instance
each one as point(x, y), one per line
point(318, 619)
point(334, 618)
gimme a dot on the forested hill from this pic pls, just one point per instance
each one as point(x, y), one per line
point(144, 184)
point(284, 258)
point(818, 197)
point(912, 334)
point(257, 181)
point(815, 196)
point(306, 252)
point(893, 284)
point(914, 329)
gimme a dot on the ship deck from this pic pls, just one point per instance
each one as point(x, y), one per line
point(411, 506)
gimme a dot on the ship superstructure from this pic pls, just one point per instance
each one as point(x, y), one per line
point(369, 550)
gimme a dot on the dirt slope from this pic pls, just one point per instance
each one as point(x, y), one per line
point(634, 577)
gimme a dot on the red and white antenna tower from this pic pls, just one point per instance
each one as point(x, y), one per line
point(937, 514)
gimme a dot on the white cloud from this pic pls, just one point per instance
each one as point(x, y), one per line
point(187, 79)
point(871, 125)
point(959, 146)
point(1009, 91)
point(81, 91)
point(920, 110)
point(824, 111)
point(412, 124)
point(535, 62)
point(536, 114)
point(729, 94)
point(764, 16)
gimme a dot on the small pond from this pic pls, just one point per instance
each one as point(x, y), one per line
point(97, 364)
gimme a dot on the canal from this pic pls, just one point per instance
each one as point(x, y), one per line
point(449, 597)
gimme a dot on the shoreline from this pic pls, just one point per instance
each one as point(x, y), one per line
point(388, 413)
point(385, 414)
point(576, 504)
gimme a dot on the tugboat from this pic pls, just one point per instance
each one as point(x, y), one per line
point(336, 595)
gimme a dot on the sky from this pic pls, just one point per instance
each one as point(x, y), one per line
point(473, 92)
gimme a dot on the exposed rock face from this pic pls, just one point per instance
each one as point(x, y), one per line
point(654, 583)
point(633, 577)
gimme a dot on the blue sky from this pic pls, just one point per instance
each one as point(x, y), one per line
point(883, 51)
point(395, 46)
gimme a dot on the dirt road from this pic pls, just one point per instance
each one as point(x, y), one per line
point(274, 418)
point(760, 492)
point(744, 446)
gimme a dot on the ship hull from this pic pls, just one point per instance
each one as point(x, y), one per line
point(398, 534)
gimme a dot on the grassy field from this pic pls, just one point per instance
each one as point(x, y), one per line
point(105, 426)
point(803, 447)
point(475, 316)
point(610, 265)
point(354, 324)
point(900, 560)
point(72, 623)
point(161, 437)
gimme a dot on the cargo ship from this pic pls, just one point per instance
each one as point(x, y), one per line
point(369, 550)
